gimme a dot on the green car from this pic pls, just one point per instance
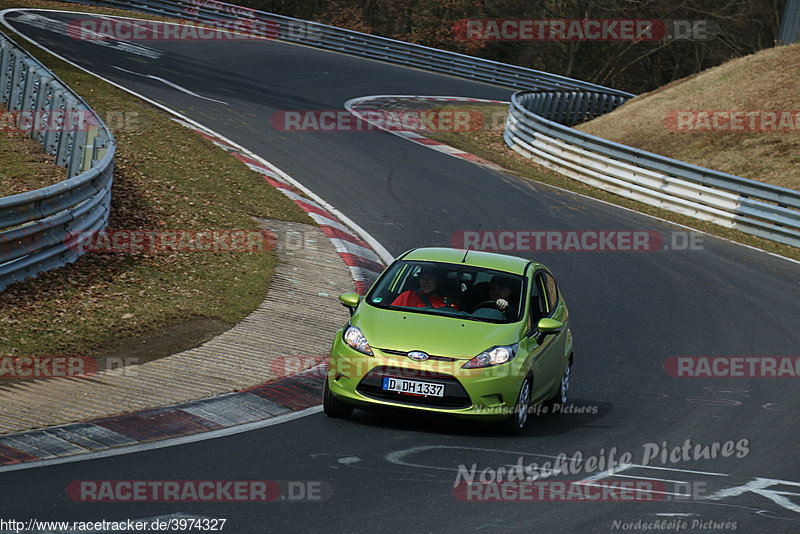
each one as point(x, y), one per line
point(472, 334)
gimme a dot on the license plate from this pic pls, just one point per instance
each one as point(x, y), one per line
point(413, 387)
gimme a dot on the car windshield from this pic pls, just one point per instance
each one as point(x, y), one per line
point(463, 291)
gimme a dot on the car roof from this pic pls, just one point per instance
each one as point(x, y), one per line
point(475, 258)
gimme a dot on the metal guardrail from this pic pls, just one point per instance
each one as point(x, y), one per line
point(789, 31)
point(538, 127)
point(35, 227)
point(538, 121)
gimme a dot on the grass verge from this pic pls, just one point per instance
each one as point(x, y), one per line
point(24, 166)
point(760, 87)
point(167, 178)
point(487, 142)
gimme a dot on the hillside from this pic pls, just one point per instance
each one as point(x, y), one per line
point(764, 88)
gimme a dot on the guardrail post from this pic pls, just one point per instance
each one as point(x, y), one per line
point(5, 70)
point(17, 79)
point(64, 143)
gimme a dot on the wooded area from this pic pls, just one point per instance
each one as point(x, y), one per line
point(736, 27)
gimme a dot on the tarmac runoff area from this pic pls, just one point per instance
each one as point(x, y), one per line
point(291, 330)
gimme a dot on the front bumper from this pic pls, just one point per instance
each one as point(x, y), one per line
point(488, 394)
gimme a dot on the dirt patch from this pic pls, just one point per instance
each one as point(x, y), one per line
point(147, 347)
point(175, 339)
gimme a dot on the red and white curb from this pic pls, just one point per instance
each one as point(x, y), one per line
point(364, 262)
point(254, 407)
point(361, 106)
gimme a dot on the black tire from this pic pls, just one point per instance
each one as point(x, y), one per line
point(332, 406)
point(515, 425)
point(560, 398)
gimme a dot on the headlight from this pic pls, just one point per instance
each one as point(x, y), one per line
point(493, 356)
point(353, 337)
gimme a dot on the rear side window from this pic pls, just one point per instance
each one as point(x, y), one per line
point(545, 286)
point(552, 291)
point(537, 302)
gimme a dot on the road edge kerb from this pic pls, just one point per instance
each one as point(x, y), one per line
point(362, 104)
point(364, 262)
point(260, 406)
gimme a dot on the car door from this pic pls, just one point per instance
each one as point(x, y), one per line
point(548, 350)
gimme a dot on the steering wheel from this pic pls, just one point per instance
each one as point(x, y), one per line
point(485, 304)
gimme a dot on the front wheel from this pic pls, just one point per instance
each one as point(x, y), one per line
point(332, 406)
point(516, 423)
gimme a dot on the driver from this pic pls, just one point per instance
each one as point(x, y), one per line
point(428, 294)
point(500, 291)
point(498, 294)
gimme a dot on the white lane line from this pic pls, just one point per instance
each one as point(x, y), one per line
point(169, 83)
point(661, 468)
point(759, 486)
point(170, 442)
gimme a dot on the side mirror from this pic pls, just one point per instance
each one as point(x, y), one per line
point(350, 301)
point(549, 326)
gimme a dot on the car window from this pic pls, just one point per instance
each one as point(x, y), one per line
point(538, 304)
point(552, 291)
point(460, 290)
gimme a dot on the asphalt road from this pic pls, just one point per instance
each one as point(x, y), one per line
point(630, 312)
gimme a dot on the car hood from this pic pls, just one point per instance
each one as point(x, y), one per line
point(436, 335)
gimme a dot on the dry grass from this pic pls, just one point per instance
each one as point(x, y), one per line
point(24, 166)
point(768, 80)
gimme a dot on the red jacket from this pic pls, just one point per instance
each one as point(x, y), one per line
point(412, 299)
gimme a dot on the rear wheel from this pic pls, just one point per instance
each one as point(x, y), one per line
point(516, 423)
point(332, 406)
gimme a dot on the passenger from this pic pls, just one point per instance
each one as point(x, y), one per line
point(428, 294)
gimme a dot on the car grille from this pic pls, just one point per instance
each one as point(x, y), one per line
point(431, 357)
point(455, 396)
